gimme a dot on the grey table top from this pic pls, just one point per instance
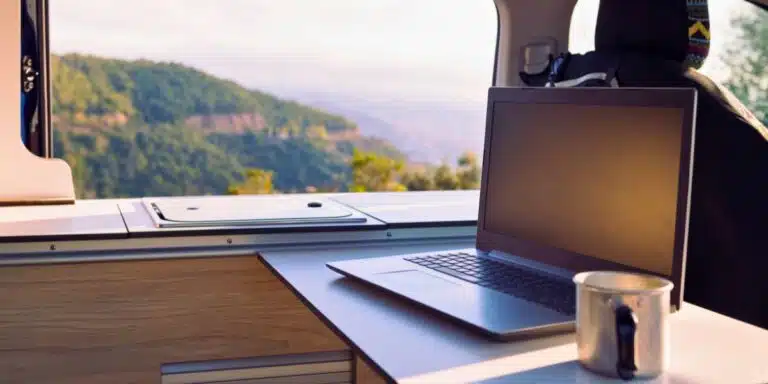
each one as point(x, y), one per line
point(409, 345)
point(86, 219)
point(415, 208)
point(123, 218)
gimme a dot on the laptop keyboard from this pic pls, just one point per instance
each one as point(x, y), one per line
point(553, 293)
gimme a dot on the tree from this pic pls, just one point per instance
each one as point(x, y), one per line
point(417, 181)
point(468, 174)
point(317, 131)
point(374, 173)
point(142, 128)
point(257, 182)
point(445, 179)
point(747, 58)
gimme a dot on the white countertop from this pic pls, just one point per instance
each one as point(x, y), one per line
point(411, 345)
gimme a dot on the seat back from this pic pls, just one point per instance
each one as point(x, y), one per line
point(674, 30)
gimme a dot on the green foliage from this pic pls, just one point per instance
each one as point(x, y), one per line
point(466, 176)
point(317, 131)
point(469, 172)
point(417, 181)
point(124, 127)
point(369, 144)
point(746, 59)
point(445, 179)
point(257, 182)
point(168, 160)
point(169, 93)
point(374, 173)
point(297, 162)
point(137, 161)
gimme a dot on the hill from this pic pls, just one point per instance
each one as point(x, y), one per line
point(143, 128)
point(425, 130)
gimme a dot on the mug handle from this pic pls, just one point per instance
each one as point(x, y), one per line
point(626, 326)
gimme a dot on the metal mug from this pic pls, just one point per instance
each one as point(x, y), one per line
point(621, 323)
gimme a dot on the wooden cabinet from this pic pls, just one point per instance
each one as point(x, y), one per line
point(364, 374)
point(118, 322)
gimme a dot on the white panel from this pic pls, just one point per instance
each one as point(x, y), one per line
point(24, 177)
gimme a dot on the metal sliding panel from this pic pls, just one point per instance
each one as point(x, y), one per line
point(52, 252)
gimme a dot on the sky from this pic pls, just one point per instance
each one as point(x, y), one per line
point(370, 46)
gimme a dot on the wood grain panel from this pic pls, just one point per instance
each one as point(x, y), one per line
point(117, 322)
point(364, 374)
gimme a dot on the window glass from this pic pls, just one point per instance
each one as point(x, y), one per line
point(738, 50)
point(193, 97)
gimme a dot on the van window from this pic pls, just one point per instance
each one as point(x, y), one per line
point(193, 97)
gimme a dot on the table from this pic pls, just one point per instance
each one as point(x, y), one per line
point(84, 220)
point(407, 344)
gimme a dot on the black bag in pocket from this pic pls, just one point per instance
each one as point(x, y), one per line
point(30, 69)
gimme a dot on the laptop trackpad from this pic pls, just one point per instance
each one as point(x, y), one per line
point(413, 279)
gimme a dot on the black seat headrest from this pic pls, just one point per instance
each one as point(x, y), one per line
point(675, 30)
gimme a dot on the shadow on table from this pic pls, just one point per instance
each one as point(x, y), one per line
point(430, 320)
point(382, 324)
point(415, 316)
point(573, 372)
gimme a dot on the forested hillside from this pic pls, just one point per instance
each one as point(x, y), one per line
point(141, 128)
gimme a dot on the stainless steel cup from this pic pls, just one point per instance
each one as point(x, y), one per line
point(621, 323)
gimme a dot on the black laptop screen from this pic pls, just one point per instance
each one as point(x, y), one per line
point(600, 181)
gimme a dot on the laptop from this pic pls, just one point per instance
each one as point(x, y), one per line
point(574, 179)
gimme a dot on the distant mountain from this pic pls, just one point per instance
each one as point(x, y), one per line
point(143, 128)
point(425, 131)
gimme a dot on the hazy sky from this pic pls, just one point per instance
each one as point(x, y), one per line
point(370, 45)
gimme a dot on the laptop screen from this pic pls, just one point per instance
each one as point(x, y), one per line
point(597, 180)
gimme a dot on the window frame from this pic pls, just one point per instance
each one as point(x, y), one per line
point(44, 111)
point(43, 143)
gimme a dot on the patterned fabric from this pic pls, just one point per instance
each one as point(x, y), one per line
point(698, 33)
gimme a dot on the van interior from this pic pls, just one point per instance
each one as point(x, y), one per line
point(191, 289)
